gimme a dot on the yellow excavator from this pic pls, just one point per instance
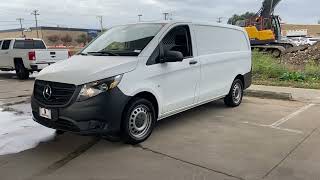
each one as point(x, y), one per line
point(264, 30)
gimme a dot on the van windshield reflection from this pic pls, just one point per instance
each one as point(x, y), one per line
point(128, 40)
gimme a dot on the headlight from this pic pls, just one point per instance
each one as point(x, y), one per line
point(95, 88)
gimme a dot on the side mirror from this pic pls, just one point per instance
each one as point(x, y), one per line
point(173, 56)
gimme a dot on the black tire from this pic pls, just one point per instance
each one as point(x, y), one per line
point(60, 132)
point(138, 121)
point(234, 98)
point(21, 71)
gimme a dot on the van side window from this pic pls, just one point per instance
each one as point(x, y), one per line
point(178, 39)
point(6, 44)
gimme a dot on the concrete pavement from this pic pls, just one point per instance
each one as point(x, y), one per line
point(209, 142)
point(261, 139)
point(13, 90)
point(298, 94)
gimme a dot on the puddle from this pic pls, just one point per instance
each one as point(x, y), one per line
point(18, 132)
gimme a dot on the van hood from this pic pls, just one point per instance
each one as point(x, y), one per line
point(80, 70)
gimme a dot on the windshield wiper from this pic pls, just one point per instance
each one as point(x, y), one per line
point(83, 54)
point(103, 53)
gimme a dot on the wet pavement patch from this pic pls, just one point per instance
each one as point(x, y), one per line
point(18, 132)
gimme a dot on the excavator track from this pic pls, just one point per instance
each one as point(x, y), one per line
point(275, 50)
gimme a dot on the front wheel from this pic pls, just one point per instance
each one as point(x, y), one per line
point(138, 121)
point(234, 98)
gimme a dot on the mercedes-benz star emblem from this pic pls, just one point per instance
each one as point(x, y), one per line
point(47, 92)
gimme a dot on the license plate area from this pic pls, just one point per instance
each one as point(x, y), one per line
point(45, 113)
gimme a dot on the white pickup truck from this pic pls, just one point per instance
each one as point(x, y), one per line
point(28, 55)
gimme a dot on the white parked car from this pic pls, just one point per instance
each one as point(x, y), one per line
point(133, 75)
point(27, 55)
point(301, 41)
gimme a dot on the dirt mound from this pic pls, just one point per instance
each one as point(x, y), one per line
point(301, 55)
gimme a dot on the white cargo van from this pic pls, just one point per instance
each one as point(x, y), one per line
point(133, 75)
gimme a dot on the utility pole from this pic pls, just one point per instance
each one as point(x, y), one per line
point(219, 19)
point(139, 15)
point(100, 18)
point(36, 13)
point(165, 15)
point(20, 21)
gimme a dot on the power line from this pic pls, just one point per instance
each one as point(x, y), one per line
point(20, 21)
point(9, 24)
point(36, 13)
point(14, 21)
point(7, 21)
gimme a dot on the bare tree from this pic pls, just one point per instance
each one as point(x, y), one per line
point(89, 39)
point(82, 39)
point(233, 20)
point(66, 39)
point(53, 38)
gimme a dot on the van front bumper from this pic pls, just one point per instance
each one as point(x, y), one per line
point(101, 114)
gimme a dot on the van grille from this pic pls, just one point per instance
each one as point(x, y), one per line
point(61, 93)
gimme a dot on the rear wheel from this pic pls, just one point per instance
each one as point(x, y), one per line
point(59, 132)
point(234, 98)
point(21, 71)
point(138, 121)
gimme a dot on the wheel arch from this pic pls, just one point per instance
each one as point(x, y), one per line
point(151, 97)
point(17, 60)
point(241, 77)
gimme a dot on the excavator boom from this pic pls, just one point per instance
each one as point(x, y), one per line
point(267, 8)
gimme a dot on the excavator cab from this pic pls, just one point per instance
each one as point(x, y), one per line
point(259, 31)
point(263, 30)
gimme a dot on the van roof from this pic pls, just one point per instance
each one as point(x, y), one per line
point(194, 22)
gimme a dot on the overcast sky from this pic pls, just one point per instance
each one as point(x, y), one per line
point(82, 13)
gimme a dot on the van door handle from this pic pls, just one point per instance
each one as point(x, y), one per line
point(193, 62)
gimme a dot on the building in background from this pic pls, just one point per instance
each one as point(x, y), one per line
point(54, 36)
point(309, 30)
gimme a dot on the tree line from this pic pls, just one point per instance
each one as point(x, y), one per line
point(66, 39)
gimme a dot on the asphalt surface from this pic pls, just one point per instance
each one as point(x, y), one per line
point(261, 139)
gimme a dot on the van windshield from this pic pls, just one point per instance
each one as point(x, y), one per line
point(128, 40)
